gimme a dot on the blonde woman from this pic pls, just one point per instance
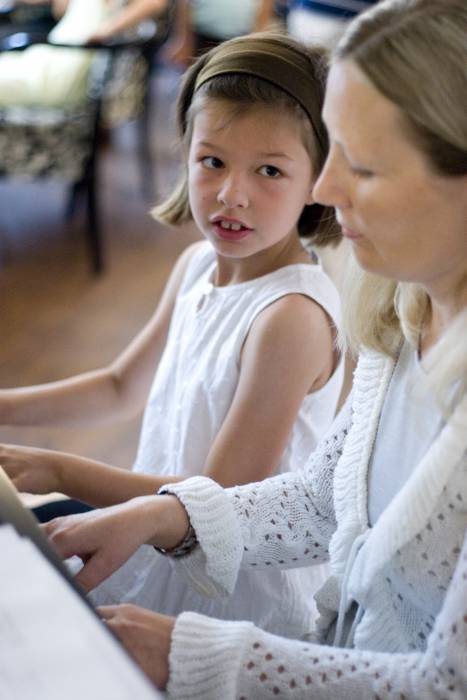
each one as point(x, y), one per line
point(386, 492)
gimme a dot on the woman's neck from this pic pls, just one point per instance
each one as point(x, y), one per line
point(443, 309)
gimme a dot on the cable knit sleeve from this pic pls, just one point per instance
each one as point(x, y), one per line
point(210, 659)
point(285, 521)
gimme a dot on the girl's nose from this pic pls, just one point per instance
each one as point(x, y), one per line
point(330, 188)
point(233, 192)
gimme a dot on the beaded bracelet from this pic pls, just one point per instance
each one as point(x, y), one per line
point(188, 543)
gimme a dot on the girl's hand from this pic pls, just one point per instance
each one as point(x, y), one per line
point(145, 635)
point(105, 539)
point(31, 469)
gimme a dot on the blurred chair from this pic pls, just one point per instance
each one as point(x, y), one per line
point(63, 143)
point(15, 17)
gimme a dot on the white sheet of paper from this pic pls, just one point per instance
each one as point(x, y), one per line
point(51, 645)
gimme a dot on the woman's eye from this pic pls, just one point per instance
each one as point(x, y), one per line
point(269, 171)
point(211, 162)
point(362, 172)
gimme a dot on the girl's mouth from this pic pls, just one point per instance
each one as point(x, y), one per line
point(230, 230)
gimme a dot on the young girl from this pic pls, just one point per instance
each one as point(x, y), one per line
point(243, 339)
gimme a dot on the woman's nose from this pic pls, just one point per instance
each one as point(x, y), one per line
point(330, 187)
point(233, 192)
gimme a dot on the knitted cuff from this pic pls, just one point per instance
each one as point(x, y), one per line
point(217, 530)
point(206, 657)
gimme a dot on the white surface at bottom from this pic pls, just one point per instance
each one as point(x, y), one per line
point(51, 645)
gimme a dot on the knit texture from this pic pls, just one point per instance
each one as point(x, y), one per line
point(408, 578)
point(212, 569)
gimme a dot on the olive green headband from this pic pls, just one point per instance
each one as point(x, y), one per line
point(277, 63)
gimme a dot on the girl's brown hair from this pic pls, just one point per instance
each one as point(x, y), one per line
point(246, 91)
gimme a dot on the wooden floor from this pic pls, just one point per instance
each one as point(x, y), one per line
point(56, 318)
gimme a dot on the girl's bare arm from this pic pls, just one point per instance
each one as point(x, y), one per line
point(100, 396)
point(288, 352)
point(40, 471)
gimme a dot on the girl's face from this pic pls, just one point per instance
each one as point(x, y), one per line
point(403, 220)
point(249, 177)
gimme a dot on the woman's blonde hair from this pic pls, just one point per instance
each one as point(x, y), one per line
point(415, 53)
point(243, 91)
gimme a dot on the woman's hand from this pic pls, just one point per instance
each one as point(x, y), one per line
point(105, 539)
point(32, 470)
point(145, 635)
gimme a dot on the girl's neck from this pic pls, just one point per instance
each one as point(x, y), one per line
point(236, 270)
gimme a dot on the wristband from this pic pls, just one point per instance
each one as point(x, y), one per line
point(188, 543)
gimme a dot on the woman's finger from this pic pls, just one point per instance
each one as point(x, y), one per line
point(106, 612)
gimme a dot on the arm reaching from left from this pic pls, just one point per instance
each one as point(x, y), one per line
point(40, 471)
point(228, 537)
point(116, 391)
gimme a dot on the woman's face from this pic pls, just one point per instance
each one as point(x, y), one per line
point(403, 220)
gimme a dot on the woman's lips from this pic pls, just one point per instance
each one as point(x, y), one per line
point(351, 235)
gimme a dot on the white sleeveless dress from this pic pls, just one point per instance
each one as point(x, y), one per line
point(192, 391)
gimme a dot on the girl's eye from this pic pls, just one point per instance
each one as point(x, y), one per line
point(269, 171)
point(211, 162)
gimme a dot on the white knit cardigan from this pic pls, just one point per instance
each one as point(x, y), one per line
point(407, 574)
